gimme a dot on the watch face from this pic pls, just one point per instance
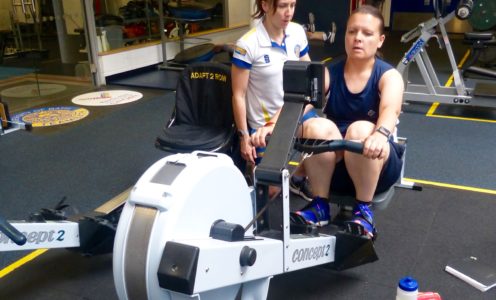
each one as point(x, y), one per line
point(384, 131)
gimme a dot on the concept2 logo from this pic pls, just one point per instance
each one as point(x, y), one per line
point(37, 237)
point(311, 253)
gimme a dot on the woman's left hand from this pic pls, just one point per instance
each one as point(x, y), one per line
point(376, 146)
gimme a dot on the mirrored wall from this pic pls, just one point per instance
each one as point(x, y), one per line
point(124, 23)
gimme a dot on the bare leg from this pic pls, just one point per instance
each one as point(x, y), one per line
point(363, 171)
point(320, 167)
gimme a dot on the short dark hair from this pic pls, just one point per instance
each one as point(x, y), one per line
point(373, 11)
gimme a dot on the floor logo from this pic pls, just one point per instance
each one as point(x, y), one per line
point(104, 98)
point(51, 116)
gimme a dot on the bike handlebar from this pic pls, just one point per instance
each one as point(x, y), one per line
point(320, 146)
point(11, 232)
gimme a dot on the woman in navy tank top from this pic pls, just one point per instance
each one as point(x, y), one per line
point(364, 102)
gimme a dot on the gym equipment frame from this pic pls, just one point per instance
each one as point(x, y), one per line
point(432, 91)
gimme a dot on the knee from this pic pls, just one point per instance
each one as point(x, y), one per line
point(359, 130)
point(320, 128)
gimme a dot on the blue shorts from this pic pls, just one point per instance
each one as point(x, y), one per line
point(341, 181)
point(261, 150)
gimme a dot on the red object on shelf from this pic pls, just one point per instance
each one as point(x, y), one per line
point(134, 30)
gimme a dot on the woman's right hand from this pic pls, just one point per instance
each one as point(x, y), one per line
point(259, 138)
point(248, 151)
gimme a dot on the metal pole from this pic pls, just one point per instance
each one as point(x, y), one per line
point(162, 32)
point(165, 65)
point(90, 33)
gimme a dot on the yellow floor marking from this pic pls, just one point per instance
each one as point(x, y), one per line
point(433, 108)
point(452, 186)
point(435, 105)
point(463, 118)
point(7, 270)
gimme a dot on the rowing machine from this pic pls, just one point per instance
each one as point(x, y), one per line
point(193, 229)
point(89, 234)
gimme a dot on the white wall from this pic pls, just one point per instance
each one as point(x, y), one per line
point(237, 12)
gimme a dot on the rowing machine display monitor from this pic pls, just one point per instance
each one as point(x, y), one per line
point(304, 82)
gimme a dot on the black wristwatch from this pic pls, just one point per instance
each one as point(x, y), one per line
point(384, 131)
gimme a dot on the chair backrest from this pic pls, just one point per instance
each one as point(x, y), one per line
point(204, 95)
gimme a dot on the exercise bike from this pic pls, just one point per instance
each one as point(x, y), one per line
point(484, 94)
point(192, 228)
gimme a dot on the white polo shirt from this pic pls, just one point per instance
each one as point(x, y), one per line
point(265, 59)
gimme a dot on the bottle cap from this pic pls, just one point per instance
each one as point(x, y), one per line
point(408, 284)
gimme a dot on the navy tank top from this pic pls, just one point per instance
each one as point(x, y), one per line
point(344, 107)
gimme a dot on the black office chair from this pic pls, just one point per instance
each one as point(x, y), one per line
point(202, 117)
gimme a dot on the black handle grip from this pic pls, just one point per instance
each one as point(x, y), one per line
point(351, 146)
point(12, 232)
point(321, 146)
